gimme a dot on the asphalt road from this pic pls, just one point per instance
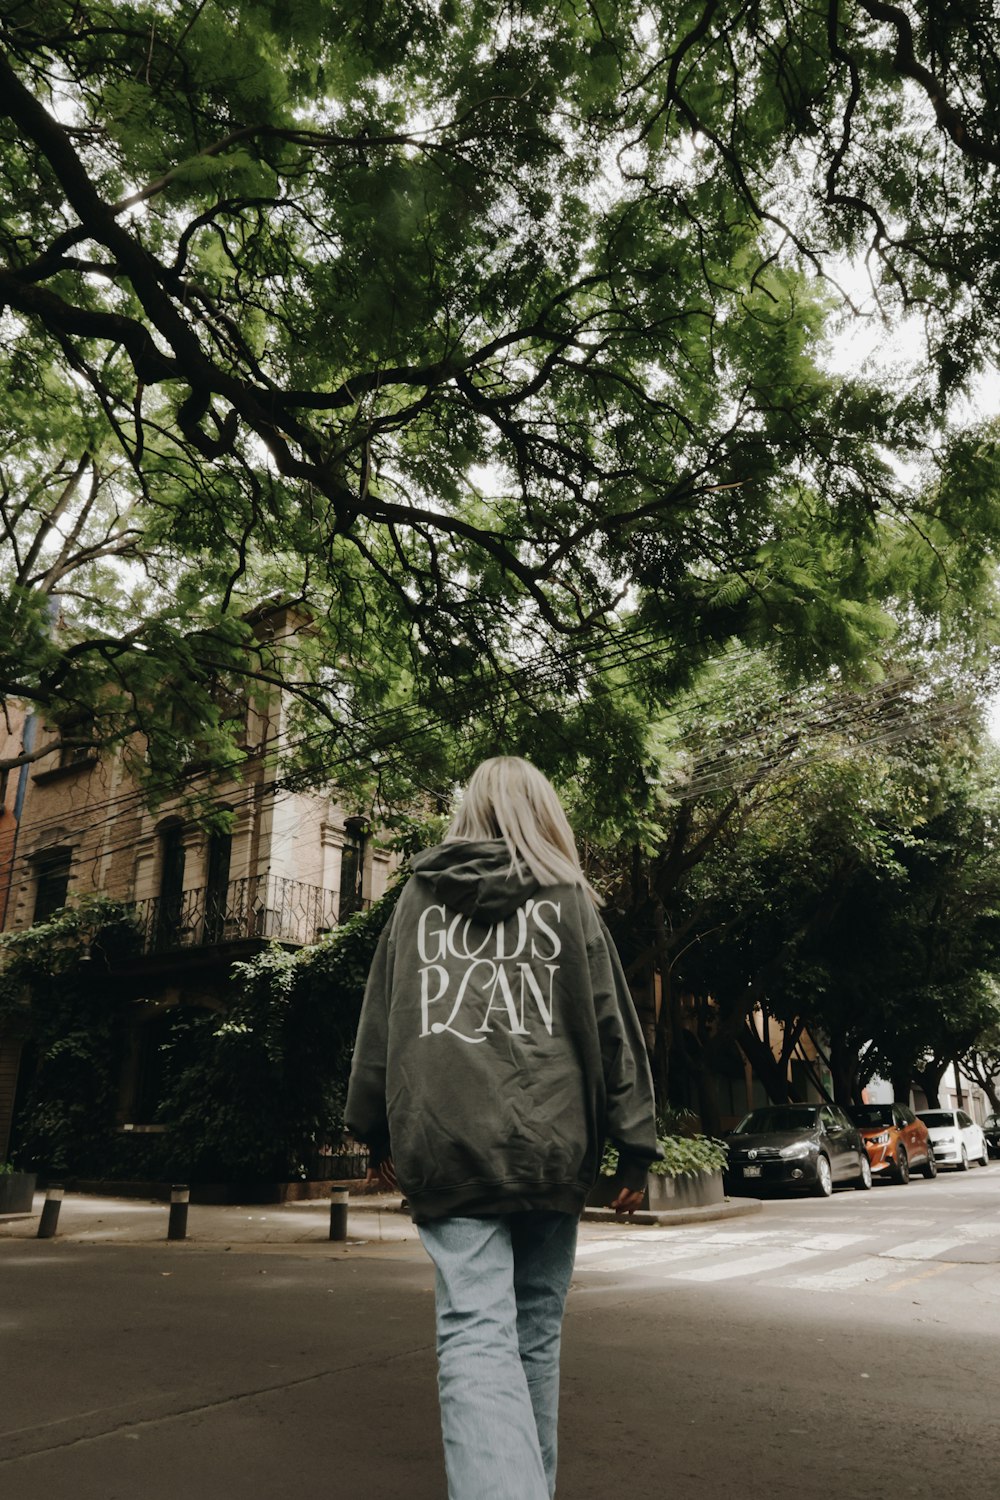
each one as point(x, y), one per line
point(843, 1349)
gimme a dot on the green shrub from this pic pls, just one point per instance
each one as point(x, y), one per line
point(248, 1093)
point(683, 1156)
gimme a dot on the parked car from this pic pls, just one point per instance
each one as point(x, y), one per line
point(808, 1146)
point(956, 1138)
point(991, 1130)
point(897, 1141)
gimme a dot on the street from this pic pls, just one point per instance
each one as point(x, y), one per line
point(838, 1349)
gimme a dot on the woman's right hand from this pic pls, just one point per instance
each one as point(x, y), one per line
point(628, 1200)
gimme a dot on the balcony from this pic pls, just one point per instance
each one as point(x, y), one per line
point(262, 908)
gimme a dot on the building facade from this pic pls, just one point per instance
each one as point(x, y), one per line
point(283, 866)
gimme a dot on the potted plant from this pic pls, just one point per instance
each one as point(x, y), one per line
point(689, 1176)
point(16, 1189)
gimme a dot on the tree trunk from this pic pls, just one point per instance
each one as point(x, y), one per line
point(929, 1077)
point(708, 1099)
point(901, 1084)
point(764, 1064)
point(844, 1070)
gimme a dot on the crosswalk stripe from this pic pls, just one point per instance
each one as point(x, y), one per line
point(981, 1230)
point(920, 1249)
point(749, 1265)
point(843, 1278)
point(635, 1256)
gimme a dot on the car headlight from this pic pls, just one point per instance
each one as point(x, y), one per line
point(882, 1139)
point(801, 1148)
point(946, 1140)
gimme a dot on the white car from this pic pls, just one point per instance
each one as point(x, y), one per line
point(956, 1138)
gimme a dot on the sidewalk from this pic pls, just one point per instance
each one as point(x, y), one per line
point(88, 1219)
point(373, 1221)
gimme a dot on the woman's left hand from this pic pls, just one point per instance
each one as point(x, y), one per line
point(384, 1176)
point(628, 1200)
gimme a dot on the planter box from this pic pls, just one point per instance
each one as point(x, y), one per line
point(696, 1190)
point(16, 1192)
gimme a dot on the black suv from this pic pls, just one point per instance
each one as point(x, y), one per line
point(991, 1130)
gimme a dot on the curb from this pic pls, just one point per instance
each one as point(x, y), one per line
point(667, 1218)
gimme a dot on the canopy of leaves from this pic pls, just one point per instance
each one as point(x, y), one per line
point(470, 327)
point(853, 890)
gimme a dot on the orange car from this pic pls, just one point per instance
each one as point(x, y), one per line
point(897, 1141)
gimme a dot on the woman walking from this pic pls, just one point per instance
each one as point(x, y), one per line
point(498, 1047)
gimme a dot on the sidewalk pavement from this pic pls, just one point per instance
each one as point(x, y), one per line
point(374, 1221)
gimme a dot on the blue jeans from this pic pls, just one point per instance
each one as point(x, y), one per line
point(501, 1287)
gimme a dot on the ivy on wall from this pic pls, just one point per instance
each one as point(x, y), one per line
point(248, 1093)
point(55, 993)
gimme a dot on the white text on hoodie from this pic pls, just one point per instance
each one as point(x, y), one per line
point(492, 972)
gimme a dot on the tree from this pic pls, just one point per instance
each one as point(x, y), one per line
point(827, 861)
point(982, 1060)
point(461, 331)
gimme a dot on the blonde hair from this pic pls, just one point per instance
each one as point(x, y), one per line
point(509, 798)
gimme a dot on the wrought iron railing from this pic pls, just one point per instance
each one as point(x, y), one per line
point(267, 907)
point(343, 1162)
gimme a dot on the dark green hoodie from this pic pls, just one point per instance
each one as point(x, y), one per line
point(498, 1043)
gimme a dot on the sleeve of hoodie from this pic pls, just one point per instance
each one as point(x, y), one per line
point(365, 1114)
point(631, 1112)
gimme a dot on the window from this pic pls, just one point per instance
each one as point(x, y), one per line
point(220, 848)
point(171, 883)
point(352, 866)
point(52, 882)
point(79, 731)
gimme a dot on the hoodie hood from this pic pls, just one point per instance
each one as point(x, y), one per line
point(474, 877)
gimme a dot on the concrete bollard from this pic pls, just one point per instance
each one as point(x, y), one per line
point(338, 1214)
point(180, 1196)
point(49, 1221)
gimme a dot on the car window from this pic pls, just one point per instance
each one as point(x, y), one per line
point(963, 1119)
point(909, 1118)
point(993, 1122)
point(777, 1117)
point(828, 1117)
point(936, 1118)
point(868, 1115)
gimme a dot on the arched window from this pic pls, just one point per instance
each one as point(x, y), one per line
point(220, 848)
point(171, 903)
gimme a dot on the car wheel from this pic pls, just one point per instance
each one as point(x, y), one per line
point(824, 1178)
point(984, 1160)
point(864, 1181)
point(963, 1165)
point(902, 1172)
point(930, 1166)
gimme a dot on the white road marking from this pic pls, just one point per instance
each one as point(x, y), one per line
point(634, 1256)
point(979, 1230)
point(845, 1278)
point(750, 1265)
point(796, 1254)
point(920, 1249)
point(833, 1242)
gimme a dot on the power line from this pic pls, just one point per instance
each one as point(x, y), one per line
point(612, 656)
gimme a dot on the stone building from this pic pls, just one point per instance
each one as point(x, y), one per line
point(289, 868)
